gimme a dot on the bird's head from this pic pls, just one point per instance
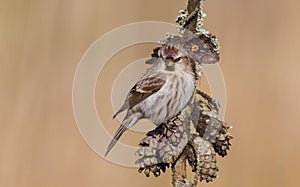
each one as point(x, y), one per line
point(171, 56)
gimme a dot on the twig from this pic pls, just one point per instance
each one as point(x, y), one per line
point(188, 20)
point(179, 172)
point(172, 143)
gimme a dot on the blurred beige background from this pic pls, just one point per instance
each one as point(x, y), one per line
point(42, 42)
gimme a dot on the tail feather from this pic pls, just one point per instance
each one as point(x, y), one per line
point(117, 136)
point(129, 120)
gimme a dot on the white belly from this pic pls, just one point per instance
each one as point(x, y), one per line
point(170, 99)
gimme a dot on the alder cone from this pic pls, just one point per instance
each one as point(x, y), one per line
point(202, 158)
point(162, 146)
point(212, 128)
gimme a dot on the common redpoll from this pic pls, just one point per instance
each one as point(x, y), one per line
point(161, 93)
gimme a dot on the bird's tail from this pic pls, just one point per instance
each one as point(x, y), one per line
point(129, 120)
point(117, 136)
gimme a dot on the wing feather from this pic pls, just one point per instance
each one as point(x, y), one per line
point(140, 91)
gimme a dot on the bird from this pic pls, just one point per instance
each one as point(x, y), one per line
point(161, 93)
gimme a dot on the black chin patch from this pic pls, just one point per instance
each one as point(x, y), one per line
point(170, 68)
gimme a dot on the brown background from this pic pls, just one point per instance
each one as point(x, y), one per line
point(42, 41)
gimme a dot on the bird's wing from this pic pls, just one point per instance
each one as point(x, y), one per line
point(142, 90)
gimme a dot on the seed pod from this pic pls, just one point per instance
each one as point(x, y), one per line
point(202, 158)
point(211, 127)
point(162, 146)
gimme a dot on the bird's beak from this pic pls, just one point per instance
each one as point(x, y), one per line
point(170, 65)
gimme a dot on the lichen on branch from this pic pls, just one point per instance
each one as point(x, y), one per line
point(197, 134)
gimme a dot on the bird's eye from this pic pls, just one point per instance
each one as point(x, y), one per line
point(177, 59)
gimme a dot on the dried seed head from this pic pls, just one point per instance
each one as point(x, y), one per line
point(211, 128)
point(202, 158)
point(162, 146)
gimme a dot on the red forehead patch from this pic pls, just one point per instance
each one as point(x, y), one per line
point(170, 51)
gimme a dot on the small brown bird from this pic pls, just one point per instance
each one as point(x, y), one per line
point(161, 93)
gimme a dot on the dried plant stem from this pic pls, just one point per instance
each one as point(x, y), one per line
point(172, 143)
point(179, 177)
point(179, 173)
point(193, 9)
